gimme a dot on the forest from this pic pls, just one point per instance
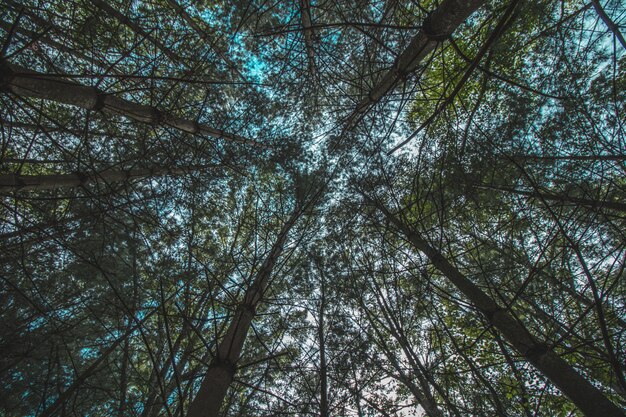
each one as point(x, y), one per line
point(312, 208)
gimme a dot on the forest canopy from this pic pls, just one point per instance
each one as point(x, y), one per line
point(312, 208)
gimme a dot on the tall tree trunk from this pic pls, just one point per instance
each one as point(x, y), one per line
point(10, 182)
point(595, 204)
point(24, 82)
point(589, 399)
point(435, 29)
point(324, 410)
point(309, 34)
point(221, 371)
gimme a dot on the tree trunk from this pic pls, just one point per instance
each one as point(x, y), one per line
point(422, 393)
point(613, 205)
point(10, 182)
point(309, 34)
point(589, 399)
point(435, 29)
point(24, 82)
point(219, 376)
point(324, 410)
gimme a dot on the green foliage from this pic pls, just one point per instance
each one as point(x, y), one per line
point(115, 295)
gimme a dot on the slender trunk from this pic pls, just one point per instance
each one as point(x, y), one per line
point(552, 158)
point(221, 371)
point(589, 399)
point(421, 393)
point(324, 410)
point(435, 29)
point(613, 205)
point(24, 82)
point(613, 27)
point(10, 182)
point(309, 34)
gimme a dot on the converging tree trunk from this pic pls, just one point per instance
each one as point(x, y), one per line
point(11, 182)
point(308, 34)
point(435, 29)
point(562, 198)
point(321, 340)
point(589, 399)
point(27, 83)
point(209, 398)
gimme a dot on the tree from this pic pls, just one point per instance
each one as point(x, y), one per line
point(311, 207)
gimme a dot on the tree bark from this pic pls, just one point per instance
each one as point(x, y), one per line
point(589, 399)
point(11, 182)
point(221, 371)
point(595, 204)
point(309, 34)
point(324, 410)
point(26, 83)
point(436, 28)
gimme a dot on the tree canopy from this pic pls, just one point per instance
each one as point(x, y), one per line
point(312, 208)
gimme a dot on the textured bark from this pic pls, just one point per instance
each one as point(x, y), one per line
point(10, 182)
point(27, 83)
point(595, 204)
point(589, 399)
point(549, 158)
point(309, 34)
point(449, 99)
point(324, 410)
point(221, 371)
point(435, 29)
